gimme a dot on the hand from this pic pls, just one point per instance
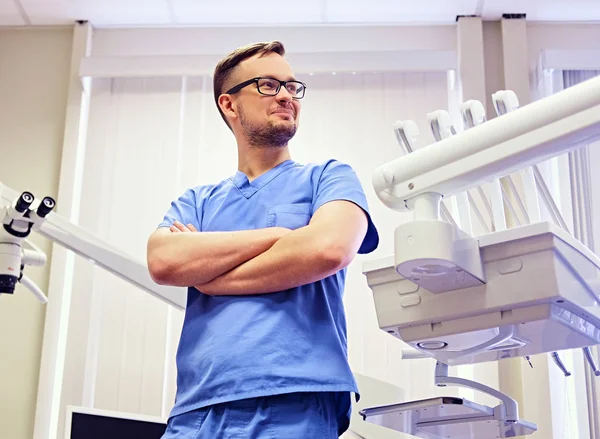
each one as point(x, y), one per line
point(178, 227)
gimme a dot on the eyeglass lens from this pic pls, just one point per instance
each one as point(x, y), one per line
point(271, 87)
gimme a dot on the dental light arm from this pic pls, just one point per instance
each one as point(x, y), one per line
point(437, 255)
point(442, 128)
point(508, 143)
point(407, 133)
point(19, 220)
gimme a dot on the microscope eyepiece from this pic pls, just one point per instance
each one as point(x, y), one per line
point(45, 207)
point(24, 202)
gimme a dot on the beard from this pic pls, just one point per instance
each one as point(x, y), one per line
point(269, 135)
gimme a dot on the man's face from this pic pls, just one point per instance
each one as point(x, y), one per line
point(266, 120)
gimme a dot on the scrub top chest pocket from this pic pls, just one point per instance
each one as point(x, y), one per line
point(290, 216)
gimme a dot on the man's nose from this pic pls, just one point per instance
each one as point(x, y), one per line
point(284, 95)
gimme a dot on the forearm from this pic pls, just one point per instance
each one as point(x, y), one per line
point(298, 258)
point(185, 259)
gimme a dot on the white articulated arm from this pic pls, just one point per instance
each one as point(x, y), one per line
point(407, 134)
point(521, 138)
point(69, 235)
point(435, 254)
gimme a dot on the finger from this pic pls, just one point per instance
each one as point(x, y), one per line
point(174, 229)
point(180, 226)
point(191, 228)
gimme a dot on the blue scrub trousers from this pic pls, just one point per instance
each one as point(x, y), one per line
point(317, 415)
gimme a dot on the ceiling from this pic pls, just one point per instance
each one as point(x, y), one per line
point(107, 13)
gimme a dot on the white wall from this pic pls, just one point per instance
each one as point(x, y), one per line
point(34, 68)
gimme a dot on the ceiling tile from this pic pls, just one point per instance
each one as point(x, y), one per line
point(263, 12)
point(399, 11)
point(99, 12)
point(9, 14)
point(247, 12)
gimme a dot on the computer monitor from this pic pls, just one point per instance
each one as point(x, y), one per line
point(90, 423)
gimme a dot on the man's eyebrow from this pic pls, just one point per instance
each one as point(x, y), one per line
point(289, 78)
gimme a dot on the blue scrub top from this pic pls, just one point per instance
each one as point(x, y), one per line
point(237, 347)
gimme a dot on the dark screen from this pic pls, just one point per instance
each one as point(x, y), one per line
point(85, 426)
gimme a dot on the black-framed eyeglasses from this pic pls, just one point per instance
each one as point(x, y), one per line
point(271, 86)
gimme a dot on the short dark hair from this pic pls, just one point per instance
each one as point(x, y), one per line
point(226, 66)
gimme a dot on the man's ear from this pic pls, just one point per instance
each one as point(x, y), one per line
point(227, 105)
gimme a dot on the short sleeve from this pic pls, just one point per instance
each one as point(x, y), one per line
point(186, 209)
point(338, 181)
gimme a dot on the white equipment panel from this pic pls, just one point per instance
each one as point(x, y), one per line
point(541, 295)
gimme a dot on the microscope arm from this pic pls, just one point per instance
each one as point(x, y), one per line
point(73, 237)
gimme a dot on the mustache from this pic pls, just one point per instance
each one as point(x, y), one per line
point(289, 108)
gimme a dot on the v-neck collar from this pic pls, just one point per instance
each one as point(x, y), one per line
point(249, 188)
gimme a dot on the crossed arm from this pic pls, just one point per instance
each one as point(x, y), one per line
point(258, 261)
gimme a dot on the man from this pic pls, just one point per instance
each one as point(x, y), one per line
point(263, 350)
